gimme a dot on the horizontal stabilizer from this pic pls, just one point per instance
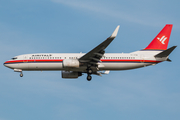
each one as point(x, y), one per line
point(165, 53)
point(168, 60)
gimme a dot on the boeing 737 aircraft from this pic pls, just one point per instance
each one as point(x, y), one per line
point(95, 61)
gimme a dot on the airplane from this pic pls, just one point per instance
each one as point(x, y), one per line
point(96, 61)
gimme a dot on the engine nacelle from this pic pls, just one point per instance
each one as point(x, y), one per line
point(70, 63)
point(70, 74)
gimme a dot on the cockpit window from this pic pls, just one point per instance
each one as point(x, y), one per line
point(14, 58)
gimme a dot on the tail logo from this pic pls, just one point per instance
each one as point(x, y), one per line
point(162, 39)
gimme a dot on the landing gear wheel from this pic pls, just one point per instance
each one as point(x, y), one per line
point(21, 75)
point(89, 78)
point(89, 71)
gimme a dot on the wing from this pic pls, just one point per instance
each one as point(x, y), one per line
point(94, 56)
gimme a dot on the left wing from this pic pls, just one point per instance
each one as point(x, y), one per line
point(94, 56)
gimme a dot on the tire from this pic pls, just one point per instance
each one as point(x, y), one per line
point(89, 71)
point(89, 78)
point(21, 75)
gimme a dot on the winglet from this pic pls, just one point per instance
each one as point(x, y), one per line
point(114, 34)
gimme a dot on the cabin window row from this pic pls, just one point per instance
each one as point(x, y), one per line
point(51, 58)
point(45, 58)
point(73, 58)
point(77, 58)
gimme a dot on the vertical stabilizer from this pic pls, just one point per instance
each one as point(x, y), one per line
point(160, 42)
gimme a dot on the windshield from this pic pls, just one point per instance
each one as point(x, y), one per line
point(14, 58)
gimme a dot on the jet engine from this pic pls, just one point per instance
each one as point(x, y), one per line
point(70, 63)
point(70, 74)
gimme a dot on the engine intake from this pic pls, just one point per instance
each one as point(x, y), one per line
point(70, 74)
point(70, 63)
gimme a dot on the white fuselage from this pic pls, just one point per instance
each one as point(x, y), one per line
point(110, 61)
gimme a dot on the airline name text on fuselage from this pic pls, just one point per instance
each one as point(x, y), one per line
point(42, 55)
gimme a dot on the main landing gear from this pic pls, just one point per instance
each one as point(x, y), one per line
point(89, 72)
point(89, 77)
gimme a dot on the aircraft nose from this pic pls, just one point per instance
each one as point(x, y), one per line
point(5, 64)
point(10, 65)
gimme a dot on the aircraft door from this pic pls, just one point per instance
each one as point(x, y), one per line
point(142, 58)
point(25, 66)
point(25, 59)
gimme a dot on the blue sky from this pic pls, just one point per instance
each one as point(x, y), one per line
point(72, 26)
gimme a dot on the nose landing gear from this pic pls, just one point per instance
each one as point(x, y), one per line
point(21, 75)
point(19, 70)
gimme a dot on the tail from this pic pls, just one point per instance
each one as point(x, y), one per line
point(160, 42)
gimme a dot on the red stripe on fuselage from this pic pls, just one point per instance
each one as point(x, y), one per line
point(60, 60)
point(127, 60)
point(25, 61)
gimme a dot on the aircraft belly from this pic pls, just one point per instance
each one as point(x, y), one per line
point(40, 66)
point(123, 66)
point(58, 66)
